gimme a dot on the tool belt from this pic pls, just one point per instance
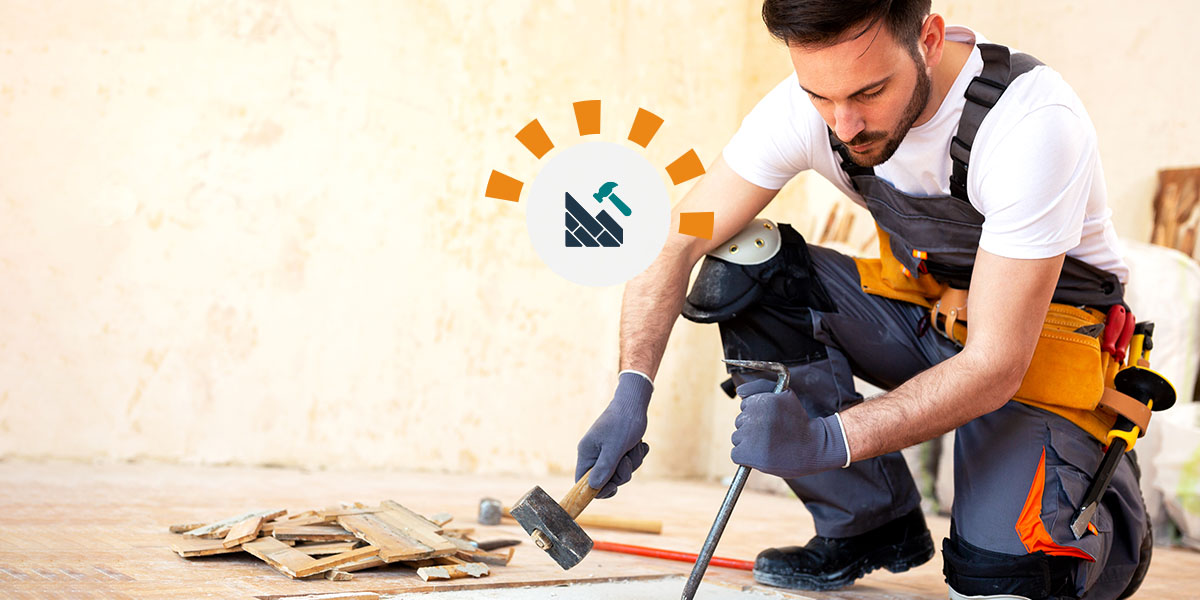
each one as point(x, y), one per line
point(1069, 375)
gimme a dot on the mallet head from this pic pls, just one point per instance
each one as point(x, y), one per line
point(551, 528)
point(489, 511)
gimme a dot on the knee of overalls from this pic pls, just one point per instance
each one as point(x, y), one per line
point(760, 288)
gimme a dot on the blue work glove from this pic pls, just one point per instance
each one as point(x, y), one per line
point(775, 435)
point(613, 447)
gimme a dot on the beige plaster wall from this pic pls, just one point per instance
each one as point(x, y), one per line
point(254, 232)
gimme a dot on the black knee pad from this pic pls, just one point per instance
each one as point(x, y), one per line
point(1144, 553)
point(973, 571)
point(763, 309)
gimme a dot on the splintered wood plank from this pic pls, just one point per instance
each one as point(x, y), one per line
point(243, 532)
point(453, 571)
point(220, 528)
point(284, 558)
point(411, 518)
point(499, 558)
point(327, 547)
point(189, 547)
point(366, 563)
point(182, 527)
point(470, 552)
point(440, 519)
point(433, 562)
point(269, 528)
point(337, 560)
point(295, 563)
point(329, 515)
point(417, 527)
point(313, 533)
point(338, 575)
point(394, 543)
point(460, 533)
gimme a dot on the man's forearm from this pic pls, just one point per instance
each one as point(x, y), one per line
point(934, 402)
point(651, 304)
point(976, 381)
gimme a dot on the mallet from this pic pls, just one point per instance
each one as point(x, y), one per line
point(489, 511)
point(552, 525)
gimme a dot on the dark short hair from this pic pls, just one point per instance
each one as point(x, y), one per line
point(820, 23)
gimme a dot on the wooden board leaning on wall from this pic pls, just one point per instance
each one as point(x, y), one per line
point(1177, 210)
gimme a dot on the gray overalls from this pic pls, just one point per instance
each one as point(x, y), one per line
point(805, 307)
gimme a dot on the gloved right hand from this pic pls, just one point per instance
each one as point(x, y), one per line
point(613, 447)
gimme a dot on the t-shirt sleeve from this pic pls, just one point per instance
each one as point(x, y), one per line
point(771, 146)
point(1034, 182)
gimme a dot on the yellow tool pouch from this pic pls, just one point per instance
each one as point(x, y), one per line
point(1067, 375)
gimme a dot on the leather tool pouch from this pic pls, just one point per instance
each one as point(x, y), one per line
point(1065, 377)
point(1067, 369)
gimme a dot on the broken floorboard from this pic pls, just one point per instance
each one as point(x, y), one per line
point(295, 563)
point(399, 534)
point(99, 531)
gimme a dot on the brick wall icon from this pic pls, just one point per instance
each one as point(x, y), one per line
point(584, 230)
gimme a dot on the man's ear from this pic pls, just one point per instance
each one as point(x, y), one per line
point(933, 40)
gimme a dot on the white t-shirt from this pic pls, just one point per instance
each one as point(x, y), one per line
point(1035, 172)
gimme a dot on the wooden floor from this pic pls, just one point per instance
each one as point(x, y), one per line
point(85, 531)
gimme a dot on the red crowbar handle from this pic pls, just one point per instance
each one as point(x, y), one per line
point(732, 563)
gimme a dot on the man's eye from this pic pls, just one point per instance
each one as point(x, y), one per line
point(869, 95)
point(815, 98)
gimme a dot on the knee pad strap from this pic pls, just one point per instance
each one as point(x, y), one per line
point(974, 572)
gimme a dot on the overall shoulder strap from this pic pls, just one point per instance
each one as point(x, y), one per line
point(1000, 68)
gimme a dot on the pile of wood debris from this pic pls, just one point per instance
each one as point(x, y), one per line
point(339, 540)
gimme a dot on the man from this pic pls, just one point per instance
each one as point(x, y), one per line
point(981, 169)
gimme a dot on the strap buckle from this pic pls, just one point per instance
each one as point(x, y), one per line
point(984, 92)
point(947, 312)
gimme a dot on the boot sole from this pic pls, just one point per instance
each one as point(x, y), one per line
point(896, 559)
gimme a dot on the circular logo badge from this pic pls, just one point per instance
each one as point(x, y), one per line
point(598, 213)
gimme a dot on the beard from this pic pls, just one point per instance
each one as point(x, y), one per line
point(892, 139)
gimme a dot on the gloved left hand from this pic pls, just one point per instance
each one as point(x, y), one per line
point(775, 434)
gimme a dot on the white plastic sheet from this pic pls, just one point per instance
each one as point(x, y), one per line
point(1164, 287)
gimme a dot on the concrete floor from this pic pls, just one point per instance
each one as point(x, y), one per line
point(79, 531)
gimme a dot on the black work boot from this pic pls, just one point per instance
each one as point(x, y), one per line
point(831, 563)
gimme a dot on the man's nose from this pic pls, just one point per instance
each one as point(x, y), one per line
point(847, 123)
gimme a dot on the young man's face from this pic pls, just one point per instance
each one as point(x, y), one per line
point(869, 90)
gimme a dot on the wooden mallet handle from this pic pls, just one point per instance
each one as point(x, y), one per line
point(611, 522)
point(579, 496)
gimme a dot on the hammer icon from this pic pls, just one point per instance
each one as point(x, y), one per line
point(552, 525)
point(607, 190)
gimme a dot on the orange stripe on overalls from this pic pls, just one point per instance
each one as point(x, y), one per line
point(1030, 527)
